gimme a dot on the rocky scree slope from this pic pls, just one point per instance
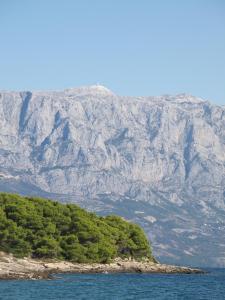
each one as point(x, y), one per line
point(158, 161)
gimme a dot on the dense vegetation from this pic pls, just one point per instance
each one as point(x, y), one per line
point(47, 229)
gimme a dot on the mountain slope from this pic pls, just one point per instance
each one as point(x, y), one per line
point(158, 161)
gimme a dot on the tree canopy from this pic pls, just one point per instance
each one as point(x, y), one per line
point(42, 228)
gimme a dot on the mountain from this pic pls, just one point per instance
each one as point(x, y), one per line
point(157, 161)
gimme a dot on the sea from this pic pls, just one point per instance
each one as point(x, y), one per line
point(119, 286)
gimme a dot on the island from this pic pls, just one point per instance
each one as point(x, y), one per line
point(40, 237)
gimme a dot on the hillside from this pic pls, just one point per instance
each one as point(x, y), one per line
point(158, 161)
point(41, 228)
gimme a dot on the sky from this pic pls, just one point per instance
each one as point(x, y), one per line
point(133, 47)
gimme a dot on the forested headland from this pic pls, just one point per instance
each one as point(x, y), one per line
point(41, 228)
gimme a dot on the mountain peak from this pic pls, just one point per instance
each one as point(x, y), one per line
point(185, 97)
point(92, 89)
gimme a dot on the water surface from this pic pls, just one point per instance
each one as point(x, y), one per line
point(119, 286)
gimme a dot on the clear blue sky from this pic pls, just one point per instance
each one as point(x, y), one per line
point(134, 47)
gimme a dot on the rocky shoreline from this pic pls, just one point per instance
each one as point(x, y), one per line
point(32, 269)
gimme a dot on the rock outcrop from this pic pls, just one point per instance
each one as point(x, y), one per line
point(158, 161)
point(26, 268)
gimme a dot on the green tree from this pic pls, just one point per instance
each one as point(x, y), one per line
point(43, 228)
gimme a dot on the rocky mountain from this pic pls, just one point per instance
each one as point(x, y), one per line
point(158, 161)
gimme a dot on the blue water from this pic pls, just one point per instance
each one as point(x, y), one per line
point(119, 286)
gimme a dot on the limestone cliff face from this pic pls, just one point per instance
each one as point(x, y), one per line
point(159, 161)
